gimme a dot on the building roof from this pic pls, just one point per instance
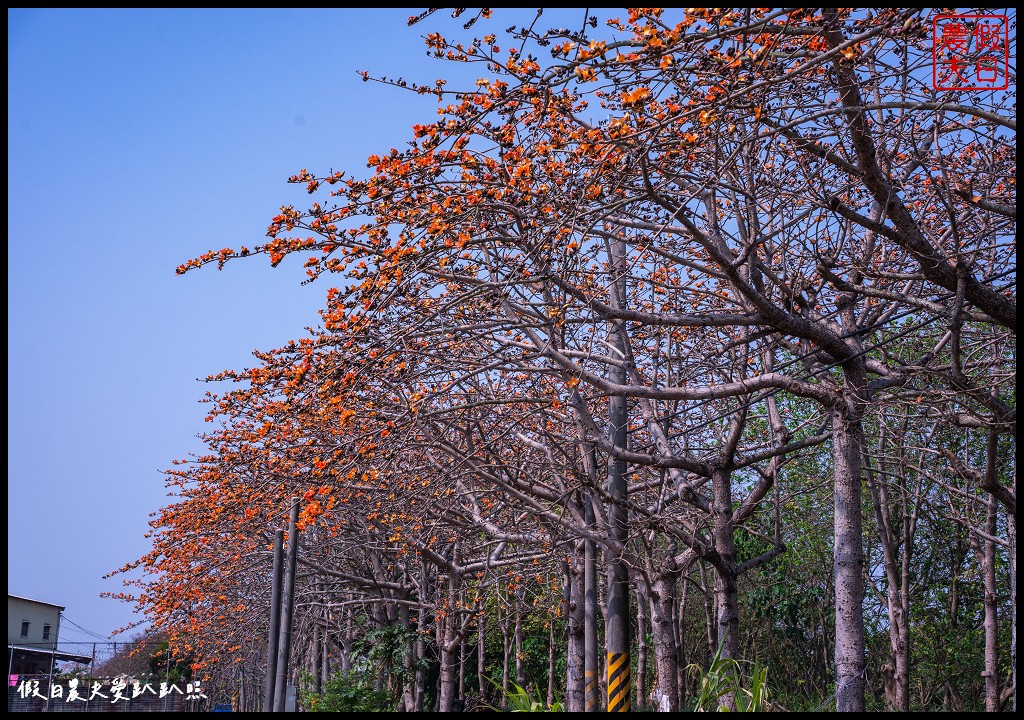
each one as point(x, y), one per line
point(57, 654)
point(20, 597)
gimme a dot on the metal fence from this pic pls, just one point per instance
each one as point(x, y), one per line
point(41, 693)
point(102, 677)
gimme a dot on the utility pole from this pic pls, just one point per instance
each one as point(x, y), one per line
point(284, 645)
point(273, 633)
point(617, 631)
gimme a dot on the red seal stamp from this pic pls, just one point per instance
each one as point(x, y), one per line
point(970, 52)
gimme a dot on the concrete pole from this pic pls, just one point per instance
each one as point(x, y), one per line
point(617, 630)
point(284, 645)
point(273, 633)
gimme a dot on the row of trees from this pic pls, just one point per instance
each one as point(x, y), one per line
point(684, 332)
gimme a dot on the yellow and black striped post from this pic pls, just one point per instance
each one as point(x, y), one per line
point(618, 682)
point(591, 692)
point(617, 635)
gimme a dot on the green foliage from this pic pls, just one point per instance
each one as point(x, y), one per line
point(380, 669)
point(166, 666)
point(535, 627)
point(723, 677)
point(518, 699)
point(345, 692)
point(785, 605)
point(385, 651)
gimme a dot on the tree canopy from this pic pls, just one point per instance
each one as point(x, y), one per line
point(726, 294)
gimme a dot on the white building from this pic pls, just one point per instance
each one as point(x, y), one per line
point(32, 630)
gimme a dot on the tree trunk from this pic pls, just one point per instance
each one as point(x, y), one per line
point(462, 669)
point(346, 643)
point(1011, 531)
point(985, 553)
point(709, 616)
point(663, 600)
point(726, 603)
point(551, 664)
point(481, 656)
point(641, 652)
point(507, 650)
point(448, 650)
point(991, 610)
point(574, 666)
point(325, 661)
point(408, 663)
point(848, 563)
point(448, 680)
point(591, 671)
point(895, 673)
point(315, 659)
point(421, 646)
point(520, 670)
point(680, 623)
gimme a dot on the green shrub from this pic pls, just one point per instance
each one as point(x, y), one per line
point(518, 699)
point(346, 692)
point(722, 677)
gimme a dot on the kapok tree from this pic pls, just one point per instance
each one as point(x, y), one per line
point(763, 158)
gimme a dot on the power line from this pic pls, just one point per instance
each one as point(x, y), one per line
point(87, 632)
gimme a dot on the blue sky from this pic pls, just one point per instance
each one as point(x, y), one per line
point(138, 140)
